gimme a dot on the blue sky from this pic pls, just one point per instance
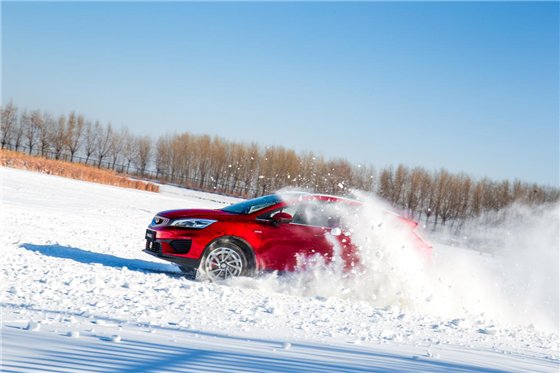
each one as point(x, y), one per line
point(472, 87)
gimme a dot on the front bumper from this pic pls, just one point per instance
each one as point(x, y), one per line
point(173, 250)
point(180, 260)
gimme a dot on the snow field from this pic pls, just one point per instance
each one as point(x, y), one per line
point(78, 293)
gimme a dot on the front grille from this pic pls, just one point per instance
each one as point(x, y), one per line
point(154, 247)
point(181, 246)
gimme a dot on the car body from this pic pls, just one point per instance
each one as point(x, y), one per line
point(266, 233)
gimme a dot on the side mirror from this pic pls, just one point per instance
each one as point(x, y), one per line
point(281, 217)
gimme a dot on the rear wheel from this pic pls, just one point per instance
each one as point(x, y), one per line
point(223, 260)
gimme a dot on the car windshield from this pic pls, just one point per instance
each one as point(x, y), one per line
point(253, 205)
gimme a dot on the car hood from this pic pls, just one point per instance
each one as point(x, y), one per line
point(194, 213)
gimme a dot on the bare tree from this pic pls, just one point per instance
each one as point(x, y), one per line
point(9, 122)
point(203, 157)
point(23, 127)
point(476, 200)
point(239, 155)
point(462, 210)
point(398, 185)
point(75, 130)
point(18, 134)
point(104, 143)
point(489, 204)
point(117, 145)
point(450, 199)
point(185, 157)
point(32, 128)
point(143, 152)
point(337, 175)
point(441, 185)
point(385, 183)
point(218, 160)
point(413, 191)
point(91, 135)
point(266, 169)
point(46, 132)
point(129, 149)
point(176, 147)
point(163, 156)
point(58, 138)
point(426, 196)
point(307, 173)
point(364, 178)
point(251, 168)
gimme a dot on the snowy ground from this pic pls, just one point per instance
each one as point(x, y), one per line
point(72, 267)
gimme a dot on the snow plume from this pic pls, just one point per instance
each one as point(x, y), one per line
point(528, 243)
point(388, 272)
point(519, 286)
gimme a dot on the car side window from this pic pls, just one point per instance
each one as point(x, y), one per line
point(316, 213)
point(290, 209)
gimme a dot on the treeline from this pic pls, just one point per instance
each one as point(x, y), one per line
point(438, 198)
point(453, 199)
point(66, 137)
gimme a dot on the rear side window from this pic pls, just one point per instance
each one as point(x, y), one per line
point(318, 213)
point(322, 213)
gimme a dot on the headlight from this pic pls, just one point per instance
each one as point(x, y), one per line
point(159, 221)
point(192, 223)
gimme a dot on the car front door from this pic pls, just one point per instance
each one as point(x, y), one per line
point(303, 237)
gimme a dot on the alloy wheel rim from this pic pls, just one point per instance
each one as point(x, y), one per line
point(224, 263)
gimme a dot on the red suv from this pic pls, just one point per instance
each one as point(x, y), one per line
point(266, 233)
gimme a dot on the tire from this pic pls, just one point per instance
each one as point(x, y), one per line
point(224, 260)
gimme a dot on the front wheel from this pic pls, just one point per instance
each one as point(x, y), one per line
point(224, 260)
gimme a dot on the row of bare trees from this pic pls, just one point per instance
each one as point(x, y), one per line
point(66, 137)
point(453, 199)
point(438, 198)
point(250, 169)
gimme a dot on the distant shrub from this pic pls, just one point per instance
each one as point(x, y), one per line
point(75, 171)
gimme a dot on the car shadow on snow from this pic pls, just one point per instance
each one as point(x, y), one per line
point(196, 351)
point(89, 257)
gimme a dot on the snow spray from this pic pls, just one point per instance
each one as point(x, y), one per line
point(518, 285)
